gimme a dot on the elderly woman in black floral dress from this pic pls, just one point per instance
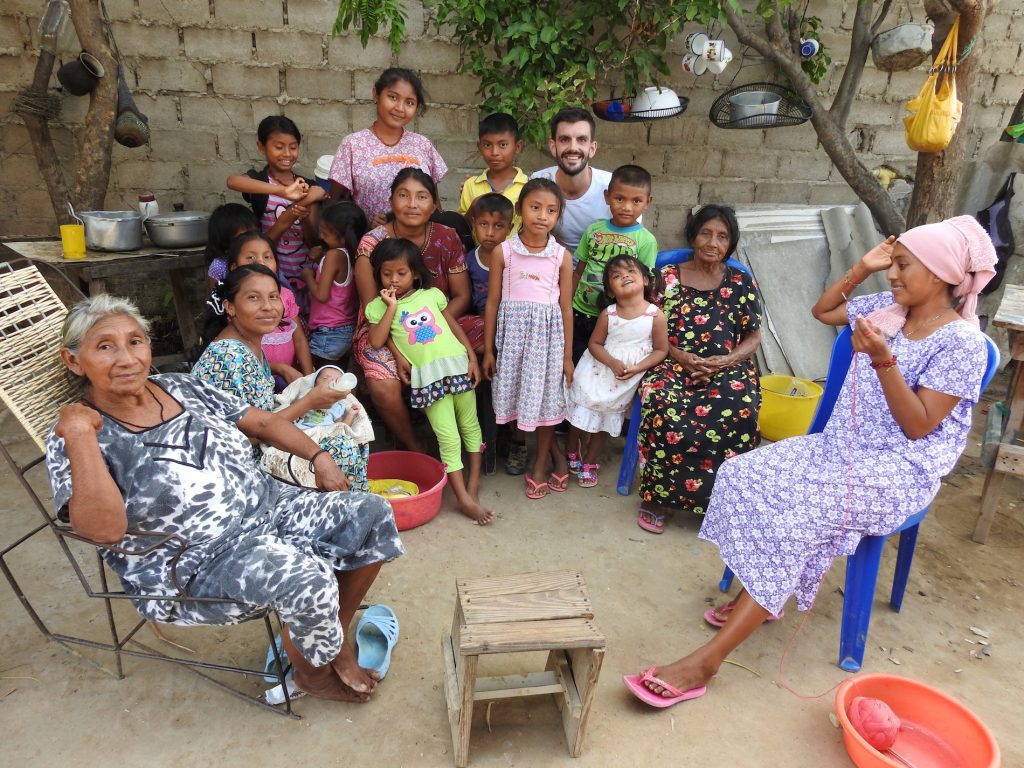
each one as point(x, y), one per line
point(700, 406)
point(172, 453)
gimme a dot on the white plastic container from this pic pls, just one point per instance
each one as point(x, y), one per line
point(148, 205)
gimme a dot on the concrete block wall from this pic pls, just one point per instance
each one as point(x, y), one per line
point(206, 72)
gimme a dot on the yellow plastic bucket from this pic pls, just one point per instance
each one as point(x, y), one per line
point(788, 404)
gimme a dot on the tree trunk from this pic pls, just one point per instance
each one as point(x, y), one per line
point(936, 180)
point(42, 143)
point(92, 171)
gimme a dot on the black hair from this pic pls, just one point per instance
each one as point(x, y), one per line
point(417, 174)
point(539, 184)
point(706, 214)
point(499, 122)
point(393, 75)
point(573, 115)
point(654, 286)
point(225, 223)
point(277, 124)
point(631, 175)
point(228, 290)
point(394, 249)
point(348, 222)
point(235, 246)
point(492, 202)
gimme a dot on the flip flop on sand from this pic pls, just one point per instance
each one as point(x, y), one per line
point(558, 483)
point(636, 686)
point(713, 615)
point(650, 521)
point(535, 490)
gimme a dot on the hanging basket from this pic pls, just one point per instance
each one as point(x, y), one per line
point(621, 110)
point(903, 47)
point(760, 105)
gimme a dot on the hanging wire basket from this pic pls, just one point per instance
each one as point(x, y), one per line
point(620, 110)
point(782, 107)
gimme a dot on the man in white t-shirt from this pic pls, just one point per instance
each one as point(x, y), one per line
point(572, 144)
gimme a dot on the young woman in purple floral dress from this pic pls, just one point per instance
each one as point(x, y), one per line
point(782, 513)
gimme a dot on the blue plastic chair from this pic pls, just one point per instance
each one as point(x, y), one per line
point(862, 566)
point(630, 452)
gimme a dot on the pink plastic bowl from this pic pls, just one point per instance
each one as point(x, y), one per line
point(428, 474)
point(926, 707)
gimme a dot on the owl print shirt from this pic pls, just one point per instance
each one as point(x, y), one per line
point(421, 333)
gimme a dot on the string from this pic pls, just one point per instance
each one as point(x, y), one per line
point(835, 552)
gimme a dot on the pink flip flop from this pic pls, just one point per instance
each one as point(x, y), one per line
point(636, 686)
point(658, 524)
point(714, 621)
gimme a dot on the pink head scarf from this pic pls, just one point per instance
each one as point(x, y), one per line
point(958, 251)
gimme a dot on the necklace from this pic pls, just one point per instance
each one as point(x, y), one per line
point(927, 322)
point(127, 423)
point(373, 130)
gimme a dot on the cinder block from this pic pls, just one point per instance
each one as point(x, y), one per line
point(727, 191)
point(31, 224)
point(19, 169)
point(905, 85)
point(429, 56)
point(1002, 58)
point(831, 194)
point(830, 12)
point(176, 75)
point(145, 40)
point(681, 131)
point(148, 174)
point(161, 109)
point(890, 142)
point(1005, 89)
point(245, 80)
point(318, 83)
point(16, 70)
point(180, 13)
point(669, 223)
point(329, 119)
point(195, 146)
point(795, 137)
point(14, 36)
point(695, 163)
point(287, 47)
point(451, 88)
point(751, 164)
point(208, 177)
point(117, 10)
point(728, 139)
point(669, 193)
point(250, 14)
point(208, 44)
point(312, 16)
point(218, 112)
point(804, 165)
point(14, 139)
point(873, 82)
point(462, 158)
point(363, 82)
point(345, 52)
point(445, 121)
point(782, 192)
point(837, 43)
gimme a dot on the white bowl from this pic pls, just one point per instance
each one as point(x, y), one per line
point(654, 98)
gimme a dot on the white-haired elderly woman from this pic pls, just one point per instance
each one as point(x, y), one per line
point(171, 453)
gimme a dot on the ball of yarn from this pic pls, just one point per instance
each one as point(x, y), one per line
point(875, 721)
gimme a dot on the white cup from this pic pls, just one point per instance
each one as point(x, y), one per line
point(713, 50)
point(694, 64)
point(696, 41)
point(717, 67)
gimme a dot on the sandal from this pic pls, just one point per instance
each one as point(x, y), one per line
point(535, 490)
point(713, 616)
point(650, 521)
point(575, 462)
point(587, 477)
point(558, 483)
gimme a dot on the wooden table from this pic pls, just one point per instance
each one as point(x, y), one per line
point(1004, 449)
point(92, 272)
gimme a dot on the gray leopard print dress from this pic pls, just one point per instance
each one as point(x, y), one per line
point(251, 538)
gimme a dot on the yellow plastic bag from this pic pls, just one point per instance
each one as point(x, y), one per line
point(935, 111)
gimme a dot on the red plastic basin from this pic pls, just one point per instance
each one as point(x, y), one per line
point(428, 474)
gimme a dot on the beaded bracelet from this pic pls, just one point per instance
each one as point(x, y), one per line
point(313, 458)
point(885, 363)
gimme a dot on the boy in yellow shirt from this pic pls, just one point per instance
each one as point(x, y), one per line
point(499, 145)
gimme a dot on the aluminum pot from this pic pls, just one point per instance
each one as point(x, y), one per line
point(180, 229)
point(112, 230)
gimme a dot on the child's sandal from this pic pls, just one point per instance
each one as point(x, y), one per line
point(587, 477)
point(575, 462)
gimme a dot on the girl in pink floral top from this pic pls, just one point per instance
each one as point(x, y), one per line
point(367, 161)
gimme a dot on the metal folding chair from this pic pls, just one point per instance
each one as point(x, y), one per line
point(34, 386)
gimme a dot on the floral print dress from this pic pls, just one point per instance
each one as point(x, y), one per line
point(689, 429)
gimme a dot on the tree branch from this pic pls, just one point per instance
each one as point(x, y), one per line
point(860, 44)
point(42, 142)
point(882, 13)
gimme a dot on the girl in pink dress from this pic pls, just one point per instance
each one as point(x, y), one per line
point(528, 332)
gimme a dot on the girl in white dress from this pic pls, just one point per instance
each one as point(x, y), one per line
point(631, 337)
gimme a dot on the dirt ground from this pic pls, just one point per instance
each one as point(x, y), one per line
point(648, 593)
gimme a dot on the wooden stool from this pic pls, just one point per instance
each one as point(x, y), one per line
point(511, 614)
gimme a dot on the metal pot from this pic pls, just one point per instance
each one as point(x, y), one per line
point(112, 230)
point(180, 229)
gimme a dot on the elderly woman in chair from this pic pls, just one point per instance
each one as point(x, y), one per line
point(171, 453)
point(781, 513)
